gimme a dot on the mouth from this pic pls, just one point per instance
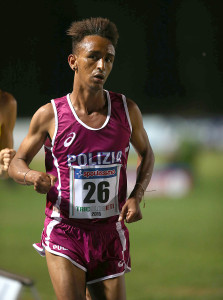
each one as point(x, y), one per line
point(99, 76)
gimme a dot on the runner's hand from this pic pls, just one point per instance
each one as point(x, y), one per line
point(42, 181)
point(131, 211)
point(6, 155)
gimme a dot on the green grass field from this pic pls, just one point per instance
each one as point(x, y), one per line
point(176, 250)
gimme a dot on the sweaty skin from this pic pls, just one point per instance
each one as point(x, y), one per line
point(92, 63)
point(8, 109)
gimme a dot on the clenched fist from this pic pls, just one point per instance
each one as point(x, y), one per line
point(6, 155)
point(41, 181)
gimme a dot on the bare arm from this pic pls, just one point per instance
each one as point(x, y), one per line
point(41, 124)
point(8, 108)
point(139, 139)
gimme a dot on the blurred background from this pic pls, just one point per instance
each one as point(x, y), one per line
point(169, 60)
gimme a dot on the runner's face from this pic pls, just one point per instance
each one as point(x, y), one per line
point(94, 60)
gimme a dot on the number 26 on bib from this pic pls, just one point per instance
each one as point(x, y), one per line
point(94, 191)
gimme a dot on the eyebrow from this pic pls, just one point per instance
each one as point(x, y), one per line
point(99, 52)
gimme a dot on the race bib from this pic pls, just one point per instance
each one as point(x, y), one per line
point(94, 191)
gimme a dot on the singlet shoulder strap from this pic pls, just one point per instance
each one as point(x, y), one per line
point(126, 111)
point(56, 121)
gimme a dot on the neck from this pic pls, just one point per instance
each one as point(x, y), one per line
point(87, 101)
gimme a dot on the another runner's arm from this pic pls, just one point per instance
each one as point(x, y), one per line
point(19, 170)
point(9, 111)
point(131, 211)
point(8, 108)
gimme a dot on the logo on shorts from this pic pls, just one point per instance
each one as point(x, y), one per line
point(70, 139)
point(57, 247)
point(120, 263)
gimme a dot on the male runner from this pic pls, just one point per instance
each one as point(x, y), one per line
point(87, 136)
point(8, 110)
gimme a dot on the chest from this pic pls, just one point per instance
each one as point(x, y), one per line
point(92, 136)
point(76, 138)
point(94, 120)
point(78, 145)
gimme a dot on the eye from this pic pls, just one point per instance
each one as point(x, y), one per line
point(93, 57)
point(109, 59)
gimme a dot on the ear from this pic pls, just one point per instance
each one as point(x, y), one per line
point(72, 60)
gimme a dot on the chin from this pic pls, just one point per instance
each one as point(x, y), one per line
point(96, 87)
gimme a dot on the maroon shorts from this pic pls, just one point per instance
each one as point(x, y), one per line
point(102, 251)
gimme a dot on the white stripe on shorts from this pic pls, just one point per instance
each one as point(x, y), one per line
point(49, 229)
point(67, 257)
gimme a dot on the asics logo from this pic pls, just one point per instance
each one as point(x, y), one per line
point(70, 139)
point(120, 263)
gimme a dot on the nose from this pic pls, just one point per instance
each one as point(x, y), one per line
point(101, 64)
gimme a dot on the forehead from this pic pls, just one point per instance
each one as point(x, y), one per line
point(91, 43)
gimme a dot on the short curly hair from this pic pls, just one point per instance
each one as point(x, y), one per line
point(93, 26)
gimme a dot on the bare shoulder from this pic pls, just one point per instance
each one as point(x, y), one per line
point(134, 112)
point(131, 104)
point(7, 101)
point(45, 111)
point(43, 120)
point(43, 117)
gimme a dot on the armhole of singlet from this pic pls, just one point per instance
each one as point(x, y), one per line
point(127, 111)
point(56, 121)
